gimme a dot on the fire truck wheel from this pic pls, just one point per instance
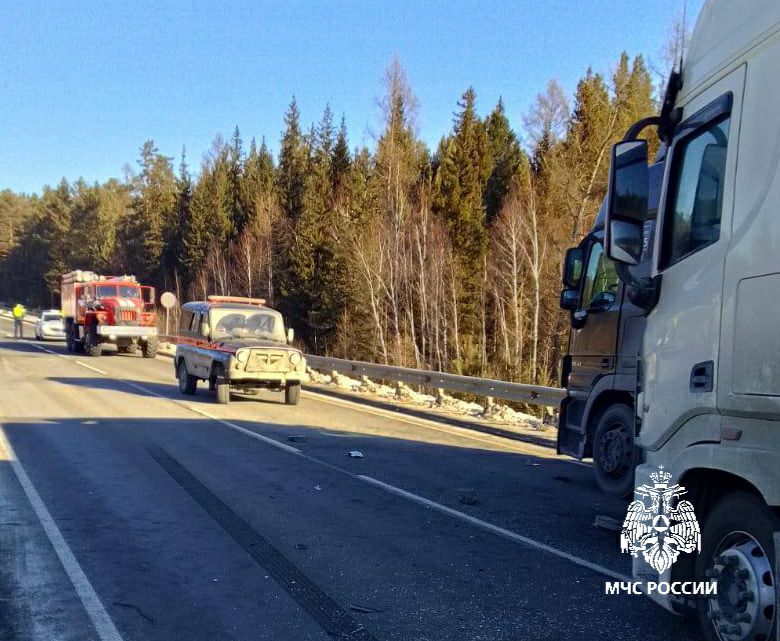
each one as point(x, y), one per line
point(292, 393)
point(187, 383)
point(223, 391)
point(614, 454)
point(738, 553)
point(92, 346)
point(149, 348)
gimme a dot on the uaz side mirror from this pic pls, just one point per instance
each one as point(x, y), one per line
point(627, 199)
point(572, 267)
point(205, 330)
point(290, 335)
point(570, 299)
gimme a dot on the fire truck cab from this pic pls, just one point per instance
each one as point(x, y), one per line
point(108, 309)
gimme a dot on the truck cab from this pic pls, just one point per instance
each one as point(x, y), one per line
point(599, 371)
point(708, 393)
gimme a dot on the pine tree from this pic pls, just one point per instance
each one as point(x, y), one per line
point(461, 180)
point(52, 231)
point(238, 212)
point(505, 156)
point(341, 159)
point(154, 212)
point(293, 159)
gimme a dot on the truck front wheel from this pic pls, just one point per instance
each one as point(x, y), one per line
point(614, 454)
point(738, 553)
point(92, 345)
point(149, 348)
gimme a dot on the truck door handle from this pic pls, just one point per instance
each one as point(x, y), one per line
point(606, 363)
point(701, 377)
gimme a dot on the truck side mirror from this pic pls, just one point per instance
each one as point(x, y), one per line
point(603, 302)
point(570, 299)
point(572, 267)
point(290, 335)
point(627, 201)
point(205, 330)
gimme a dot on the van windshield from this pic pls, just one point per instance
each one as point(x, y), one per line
point(249, 323)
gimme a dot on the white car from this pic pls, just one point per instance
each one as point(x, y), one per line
point(49, 325)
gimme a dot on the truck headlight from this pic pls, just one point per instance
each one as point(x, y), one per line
point(242, 356)
point(295, 358)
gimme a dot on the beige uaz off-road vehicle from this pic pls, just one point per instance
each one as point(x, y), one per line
point(237, 344)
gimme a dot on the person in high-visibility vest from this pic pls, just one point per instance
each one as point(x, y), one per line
point(19, 311)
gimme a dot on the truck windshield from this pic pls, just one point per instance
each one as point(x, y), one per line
point(125, 291)
point(239, 323)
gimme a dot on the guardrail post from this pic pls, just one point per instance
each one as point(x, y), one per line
point(489, 402)
point(439, 396)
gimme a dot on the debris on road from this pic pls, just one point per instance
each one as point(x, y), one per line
point(318, 488)
point(363, 609)
point(355, 454)
point(468, 496)
point(297, 439)
point(561, 478)
point(607, 523)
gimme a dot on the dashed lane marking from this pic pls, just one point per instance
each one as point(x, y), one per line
point(495, 529)
point(386, 487)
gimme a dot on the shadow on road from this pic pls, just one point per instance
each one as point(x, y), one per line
point(193, 523)
point(166, 390)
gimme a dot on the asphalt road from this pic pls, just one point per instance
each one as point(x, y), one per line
point(128, 512)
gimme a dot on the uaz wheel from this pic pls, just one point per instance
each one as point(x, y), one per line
point(292, 394)
point(187, 383)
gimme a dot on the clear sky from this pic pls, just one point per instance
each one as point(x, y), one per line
point(82, 85)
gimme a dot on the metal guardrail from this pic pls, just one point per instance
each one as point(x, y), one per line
point(486, 387)
point(535, 394)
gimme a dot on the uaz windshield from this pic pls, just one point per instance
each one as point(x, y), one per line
point(239, 323)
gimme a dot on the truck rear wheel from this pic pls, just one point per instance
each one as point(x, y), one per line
point(187, 383)
point(292, 393)
point(614, 454)
point(92, 345)
point(149, 347)
point(738, 553)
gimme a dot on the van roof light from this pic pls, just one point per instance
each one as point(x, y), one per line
point(235, 299)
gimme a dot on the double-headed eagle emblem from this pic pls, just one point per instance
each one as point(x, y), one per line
point(665, 528)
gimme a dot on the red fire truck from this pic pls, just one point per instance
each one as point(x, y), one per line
point(108, 309)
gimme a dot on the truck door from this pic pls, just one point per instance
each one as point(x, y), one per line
point(682, 336)
point(594, 340)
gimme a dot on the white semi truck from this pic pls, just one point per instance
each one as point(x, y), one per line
point(708, 391)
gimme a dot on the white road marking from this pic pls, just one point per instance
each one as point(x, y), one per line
point(46, 349)
point(495, 529)
point(233, 426)
point(94, 369)
point(101, 620)
point(420, 500)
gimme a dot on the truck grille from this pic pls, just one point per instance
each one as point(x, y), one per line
point(263, 361)
point(127, 316)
